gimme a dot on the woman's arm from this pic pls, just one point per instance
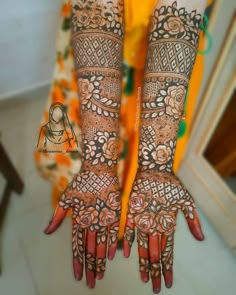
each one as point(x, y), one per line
point(157, 193)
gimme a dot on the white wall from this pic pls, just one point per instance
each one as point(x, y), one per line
point(28, 30)
point(220, 25)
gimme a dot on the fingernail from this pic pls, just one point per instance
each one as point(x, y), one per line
point(99, 276)
point(168, 276)
point(200, 235)
point(157, 290)
point(92, 284)
point(47, 229)
point(144, 277)
point(78, 277)
point(168, 285)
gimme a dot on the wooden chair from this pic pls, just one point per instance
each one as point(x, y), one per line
point(14, 183)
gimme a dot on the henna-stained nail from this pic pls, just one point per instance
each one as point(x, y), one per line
point(144, 277)
point(126, 249)
point(56, 221)
point(100, 276)
point(90, 279)
point(78, 270)
point(168, 276)
point(195, 228)
point(47, 230)
point(156, 285)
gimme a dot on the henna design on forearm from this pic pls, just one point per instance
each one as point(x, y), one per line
point(98, 41)
point(173, 41)
point(157, 194)
point(94, 194)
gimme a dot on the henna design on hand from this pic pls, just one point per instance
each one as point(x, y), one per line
point(157, 194)
point(94, 194)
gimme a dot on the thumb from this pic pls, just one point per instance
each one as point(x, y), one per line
point(195, 226)
point(56, 221)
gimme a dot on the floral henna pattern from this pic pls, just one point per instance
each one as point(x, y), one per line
point(102, 148)
point(154, 203)
point(95, 200)
point(155, 270)
point(90, 261)
point(100, 265)
point(167, 254)
point(94, 193)
point(113, 232)
point(143, 240)
point(97, 99)
point(161, 196)
point(98, 42)
point(99, 15)
point(144, 265)
point(77, 243)
point(173, 40)
point(157, 194)
point(159, 156)
point(171, 22)
point(129, 235)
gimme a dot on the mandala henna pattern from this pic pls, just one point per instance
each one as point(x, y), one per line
point(157, 193)
point(94, 194)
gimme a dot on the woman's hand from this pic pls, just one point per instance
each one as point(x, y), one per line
point(95, 201)
point(155, 201)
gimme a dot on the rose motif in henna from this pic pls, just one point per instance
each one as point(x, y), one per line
point(174, 101)
point(158, 214)
point(173, 25)
point(110, 149)
point(102, 148)
point(145, 221)
point(169, 22)
point(85, 90)
point(165, 223)
point(107, 217)
point(113, 200)
point(138, 203)
point(87, 217)
point(91, 14)
point(162, 154)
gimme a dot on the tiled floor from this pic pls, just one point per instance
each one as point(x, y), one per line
point(35, 264)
